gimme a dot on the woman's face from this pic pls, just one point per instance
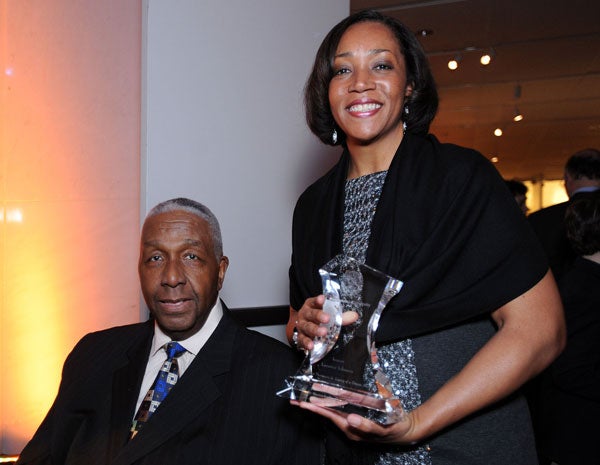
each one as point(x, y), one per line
point(367, 91)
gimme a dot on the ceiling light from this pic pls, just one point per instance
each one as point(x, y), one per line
point(453, 64)
point(497, 132)
point(518, 115)
point(486, 57)
point(494, 159)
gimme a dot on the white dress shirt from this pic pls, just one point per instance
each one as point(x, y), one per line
point(192, 345)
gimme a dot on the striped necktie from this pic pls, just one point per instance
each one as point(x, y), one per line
point(165, 380)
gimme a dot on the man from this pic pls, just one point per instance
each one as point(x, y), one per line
point(222, 407)
point(582, 176)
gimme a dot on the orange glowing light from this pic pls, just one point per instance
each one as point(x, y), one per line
point(69, 192)
point(9, 459)
point(14, 215)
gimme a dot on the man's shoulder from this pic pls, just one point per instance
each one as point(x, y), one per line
point(263, 342)
point(120, 331)
point(114, 338)
point(106, 347)
point(553, 212)
point(255, 353)
point(263, 349)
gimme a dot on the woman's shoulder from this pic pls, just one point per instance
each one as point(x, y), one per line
point(447, 162)
point(450, 154)
point(323, 184)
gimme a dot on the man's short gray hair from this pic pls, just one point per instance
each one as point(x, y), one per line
point(195, 208)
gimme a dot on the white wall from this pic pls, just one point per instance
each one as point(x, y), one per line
point(225, 124)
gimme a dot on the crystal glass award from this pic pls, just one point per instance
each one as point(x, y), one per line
point(342, 371)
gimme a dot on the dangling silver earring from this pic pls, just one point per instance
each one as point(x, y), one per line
point(405, 117)
point(406, 109)
point(334, 137)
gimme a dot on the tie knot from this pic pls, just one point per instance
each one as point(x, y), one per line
point(174, 349)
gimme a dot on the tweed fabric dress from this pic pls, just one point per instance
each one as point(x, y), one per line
point(397, 359)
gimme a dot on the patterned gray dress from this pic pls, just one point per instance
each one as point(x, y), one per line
point(361, 197)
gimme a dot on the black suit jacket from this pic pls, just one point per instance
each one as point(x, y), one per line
point(570, 428)
point(549, 226)
point(223, 409)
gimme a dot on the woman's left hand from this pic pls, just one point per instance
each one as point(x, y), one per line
point(358, 428)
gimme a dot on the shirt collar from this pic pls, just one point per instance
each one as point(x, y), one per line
point(585, 189)
point(194, 343)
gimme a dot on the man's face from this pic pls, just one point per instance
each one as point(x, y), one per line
point(179, 273)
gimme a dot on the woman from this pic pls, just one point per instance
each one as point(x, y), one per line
point(479, 313)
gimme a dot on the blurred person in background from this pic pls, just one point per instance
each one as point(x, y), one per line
point(569, 427)
point(519, 192)
point(582, 176)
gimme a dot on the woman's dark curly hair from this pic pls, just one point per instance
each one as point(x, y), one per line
point(422, 103)
point(582, 222)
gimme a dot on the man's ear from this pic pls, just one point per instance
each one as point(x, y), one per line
point(223, 264)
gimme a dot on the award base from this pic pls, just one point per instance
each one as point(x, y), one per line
point(381, 406)
point(383, 410)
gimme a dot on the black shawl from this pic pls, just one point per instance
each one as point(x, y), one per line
point(445, 225)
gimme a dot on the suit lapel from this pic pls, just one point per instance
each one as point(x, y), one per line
point(127, 380)
point(193, 393)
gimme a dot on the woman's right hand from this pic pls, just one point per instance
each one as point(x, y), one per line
point(309, 318)
point(308, 321)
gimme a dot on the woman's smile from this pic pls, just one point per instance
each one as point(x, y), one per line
point(367, 91)
point(364, 109)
